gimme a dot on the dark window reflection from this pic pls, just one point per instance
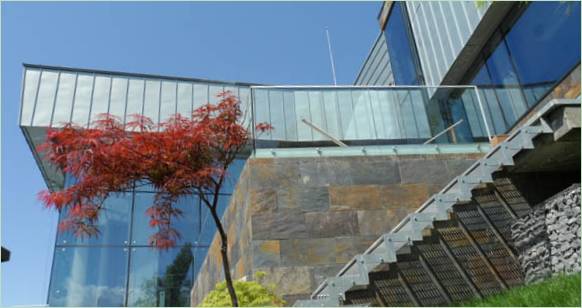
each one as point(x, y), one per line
point(84, 276)
point(403, 57)
point(540, 48)
point(160, 277)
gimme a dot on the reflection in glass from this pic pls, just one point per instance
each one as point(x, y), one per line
point(545, 44)
point(46, 98)
point(200, 95)
point(185, 99)
point(160, 277)
point(187, 225)
point(168, 101)
point(401, 48)
point(151, 107)
point(88, 276)
point(118, 97)
point(64, 100)
point(113, 224)
point(100, 97)
point(135, 98)
point(31, 79)
point(82, 102)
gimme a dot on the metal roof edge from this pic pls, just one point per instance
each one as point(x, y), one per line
point(137, 75)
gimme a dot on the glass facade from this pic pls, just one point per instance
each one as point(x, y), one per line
point(120, 268)
point(526, 59)
point(400, 42)
point(359, 116)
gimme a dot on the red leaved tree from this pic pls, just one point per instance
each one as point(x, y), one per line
point(179, 157)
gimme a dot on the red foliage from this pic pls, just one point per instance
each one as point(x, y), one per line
point(181, 156)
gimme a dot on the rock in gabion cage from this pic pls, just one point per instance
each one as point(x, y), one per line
point(548, 238)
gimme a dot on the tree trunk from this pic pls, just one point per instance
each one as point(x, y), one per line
point(225, 264)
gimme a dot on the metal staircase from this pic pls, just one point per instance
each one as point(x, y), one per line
point(457, 245)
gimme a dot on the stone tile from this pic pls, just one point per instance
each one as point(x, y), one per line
point(281, 224)
point(313, 199)
point(262, 200)
point(324, 171)
point(297, 252)
point(287, 197)
point(331, 223)
point(355, 197)
point(367, 171)
point(274, 173)
point(377, 222)
point(457, 166)
point(348, 247)
point(266, 253)
point(404, 195)
point(423, 171)
point(289, 280)
point(322, 272)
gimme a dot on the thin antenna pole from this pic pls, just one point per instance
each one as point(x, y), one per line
point(331, 57)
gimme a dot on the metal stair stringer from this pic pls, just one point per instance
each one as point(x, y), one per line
point(356, 274)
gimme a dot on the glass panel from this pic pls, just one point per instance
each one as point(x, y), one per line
point(277, 114)
point(346, 111)
point(504, 78)
point(207, 227)
point(407, 114)
point(152, 100)
point(113, 224)
point(245, 108)
point(168, 103)
point(185, 99)
point(379, 118)
point(402, 53)
point(363, 115)
point(135, 98)
point(261, 99)
point(545, 44)
point(64, 100)
point(31, 79)
point(46, 98)
point(490, 101)
point(118, 97)
point(200, 95)
point(418, 98)
point(330, 113)
point(213, 92)
point(290, 116)
point(304, 132)
point(83, 99)
point(76, 282)
point(233, 174)
point(185, 225)
point(317, 116)
point(100, 97)
point(161, 278)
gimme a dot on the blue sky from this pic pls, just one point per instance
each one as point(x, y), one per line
point(272, 43)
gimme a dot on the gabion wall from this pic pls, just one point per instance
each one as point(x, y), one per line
point(548, 239)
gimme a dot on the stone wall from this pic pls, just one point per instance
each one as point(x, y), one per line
point(548, 239)
point(301, 219)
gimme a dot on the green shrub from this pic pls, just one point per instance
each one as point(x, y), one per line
point(249, 293)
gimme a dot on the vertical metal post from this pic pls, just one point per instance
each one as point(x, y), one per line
point(483, 113)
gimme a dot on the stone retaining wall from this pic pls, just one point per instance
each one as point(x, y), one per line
point(548, 239)
point(301, 219)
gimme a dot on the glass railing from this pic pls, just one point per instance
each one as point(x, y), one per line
point(319, 116)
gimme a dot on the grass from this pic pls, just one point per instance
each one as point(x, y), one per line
point(560, 291)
